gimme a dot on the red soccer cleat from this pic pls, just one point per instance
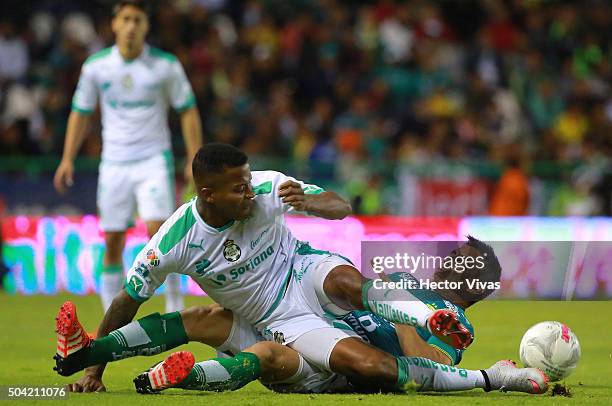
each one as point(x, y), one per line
point(71, 336)
point(444, 325)
point(166, 374)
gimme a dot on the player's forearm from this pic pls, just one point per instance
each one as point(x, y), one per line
point(120, 313)
point(75, 133)
point(192, 131)
point(328, 205)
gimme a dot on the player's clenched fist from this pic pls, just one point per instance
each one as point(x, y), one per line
point(88, 383)
point(63, 176)
point(291, 193)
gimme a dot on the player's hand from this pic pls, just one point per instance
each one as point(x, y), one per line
point(88, 383)
point(63, 176)
point(292, 194)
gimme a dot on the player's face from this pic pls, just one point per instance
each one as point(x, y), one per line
point(130, 26)
point(233, 197)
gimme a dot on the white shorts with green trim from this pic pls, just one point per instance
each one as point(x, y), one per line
point(300, 311)
point(299, 307)
point(145, 187)
point(310, 379)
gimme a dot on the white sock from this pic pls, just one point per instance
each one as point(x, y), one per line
point(397, 305)
point(174, 298)
point(432, 376)
point(110, 284)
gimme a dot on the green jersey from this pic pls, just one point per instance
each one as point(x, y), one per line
point(381, 333)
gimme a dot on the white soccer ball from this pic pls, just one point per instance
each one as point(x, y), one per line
point(552, 347)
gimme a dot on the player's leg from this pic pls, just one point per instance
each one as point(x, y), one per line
point(150, 335)
point(368, 366)
point(264, 360)
point(341, 288)
point(111, 278)
point(115, 201)
point(155, 197)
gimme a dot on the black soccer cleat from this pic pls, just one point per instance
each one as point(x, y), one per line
point(143, 384)
point(69, 365)
point(72, 340)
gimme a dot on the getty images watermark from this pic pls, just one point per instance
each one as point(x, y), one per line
point(466, 267)
point(534, 270)
point(406, 263)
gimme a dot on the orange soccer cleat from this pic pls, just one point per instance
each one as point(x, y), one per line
point(444, 325)
point(166, 374)
point(71, 338)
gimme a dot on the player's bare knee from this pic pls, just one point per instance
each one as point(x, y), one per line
point(270, 358)
point(197, 321)
point(195, 316)
point(343, 286)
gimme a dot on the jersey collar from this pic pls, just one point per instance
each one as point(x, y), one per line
point(145, 52)
point(207, 227)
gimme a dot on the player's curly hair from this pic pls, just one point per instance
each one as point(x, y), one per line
point(215, 157)
point(490, 273)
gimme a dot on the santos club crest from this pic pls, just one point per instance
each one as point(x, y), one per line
point(127, 81)
point(231, 251)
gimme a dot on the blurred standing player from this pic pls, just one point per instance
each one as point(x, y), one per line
point(135, 84)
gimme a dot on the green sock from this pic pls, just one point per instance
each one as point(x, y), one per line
point(223, 374)
point(150, 335)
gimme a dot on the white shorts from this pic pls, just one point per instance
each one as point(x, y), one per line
point(309, 377)
point(300, 310)
point(301, 313)
point(145, 186)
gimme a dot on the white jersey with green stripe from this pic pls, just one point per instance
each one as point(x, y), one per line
point(134, 98)
point(244, 266)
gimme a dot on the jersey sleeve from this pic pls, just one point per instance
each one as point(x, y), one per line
point(179, 89)
point(85, 96)
point(148, 271)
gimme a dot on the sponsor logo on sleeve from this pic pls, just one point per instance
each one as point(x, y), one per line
point(152, 258)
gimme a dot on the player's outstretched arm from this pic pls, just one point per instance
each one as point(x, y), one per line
point(328, 205)
point(120, 313)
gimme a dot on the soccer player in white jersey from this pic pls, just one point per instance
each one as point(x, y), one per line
point(232, 240)
point(134, 84)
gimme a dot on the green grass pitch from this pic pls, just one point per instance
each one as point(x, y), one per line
point(28, 343)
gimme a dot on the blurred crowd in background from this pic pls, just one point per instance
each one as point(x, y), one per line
point(377, 97)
